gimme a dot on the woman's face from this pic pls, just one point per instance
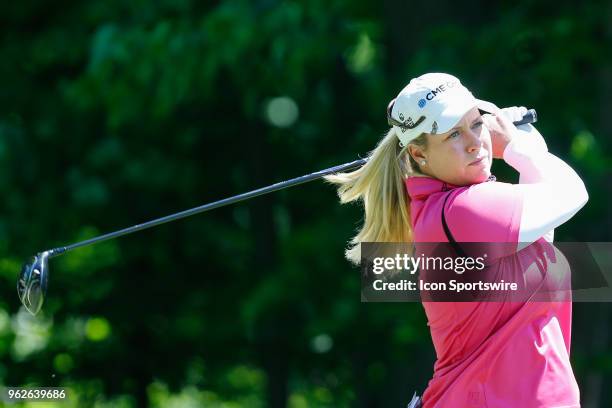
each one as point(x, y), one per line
point(461, 156)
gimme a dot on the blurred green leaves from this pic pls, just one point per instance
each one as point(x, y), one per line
point(115, 113)
point(586, 150)
point(97, 329)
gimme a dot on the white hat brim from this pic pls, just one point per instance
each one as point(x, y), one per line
point(455, 111)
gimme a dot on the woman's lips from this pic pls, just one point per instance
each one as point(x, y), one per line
point(478, 161)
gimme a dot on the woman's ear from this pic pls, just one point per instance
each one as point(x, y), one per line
point(417, 153)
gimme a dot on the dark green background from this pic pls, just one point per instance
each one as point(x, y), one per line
point(113, 113)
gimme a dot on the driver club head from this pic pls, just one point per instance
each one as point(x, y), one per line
point(32, 283)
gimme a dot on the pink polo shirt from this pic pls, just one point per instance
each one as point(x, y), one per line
point(494, 354)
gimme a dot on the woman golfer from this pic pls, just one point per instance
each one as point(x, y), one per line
point(429, 180)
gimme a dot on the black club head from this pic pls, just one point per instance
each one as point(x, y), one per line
point(32, 283)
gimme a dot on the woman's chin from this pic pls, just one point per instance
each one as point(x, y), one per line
point(481, 176)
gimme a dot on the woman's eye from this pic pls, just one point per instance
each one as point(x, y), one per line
point(452, 135)
point(477, 124)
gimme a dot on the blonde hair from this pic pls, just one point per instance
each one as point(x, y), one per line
point(379, 184)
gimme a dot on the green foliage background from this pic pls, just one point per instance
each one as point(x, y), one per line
point(114, 113)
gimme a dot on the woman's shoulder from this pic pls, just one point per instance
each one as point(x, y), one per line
point(488, 211)
point(495, 191)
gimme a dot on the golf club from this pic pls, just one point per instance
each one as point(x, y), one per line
point(34, 277)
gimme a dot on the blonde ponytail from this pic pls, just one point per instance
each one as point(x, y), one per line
point(379, 184)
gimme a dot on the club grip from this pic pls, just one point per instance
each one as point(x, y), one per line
point(530, 117)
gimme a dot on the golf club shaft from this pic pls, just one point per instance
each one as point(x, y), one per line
point(211, 206)
point(530, 117)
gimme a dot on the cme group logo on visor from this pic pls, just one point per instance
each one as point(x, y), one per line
point(435, 92)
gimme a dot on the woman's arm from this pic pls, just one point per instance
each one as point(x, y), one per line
point(552, 191)
point(527, 175)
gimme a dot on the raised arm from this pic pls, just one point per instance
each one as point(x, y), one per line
point(552, 191)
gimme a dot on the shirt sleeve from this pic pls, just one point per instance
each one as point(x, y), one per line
point(553, 193)
point(485, 212)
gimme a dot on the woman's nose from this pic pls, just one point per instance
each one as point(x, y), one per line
point(474, 140)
